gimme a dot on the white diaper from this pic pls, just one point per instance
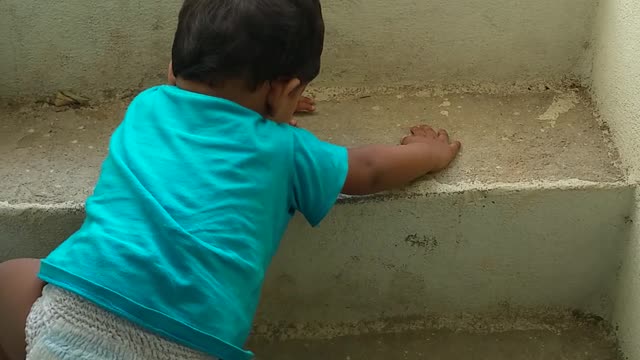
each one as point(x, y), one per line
point(62, 325)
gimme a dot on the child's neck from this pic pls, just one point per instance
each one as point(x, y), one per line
point(232, 90)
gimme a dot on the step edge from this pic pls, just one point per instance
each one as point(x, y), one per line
point(434, 188)
point(423, 189)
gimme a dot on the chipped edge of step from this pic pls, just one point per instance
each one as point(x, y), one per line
point(322, 91)
point(433, 187)
point(421, 189)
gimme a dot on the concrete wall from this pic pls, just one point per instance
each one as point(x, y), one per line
point(385, 42)
point(616, 86)
point(83, 45)
point(616, 76)
point(96, 45)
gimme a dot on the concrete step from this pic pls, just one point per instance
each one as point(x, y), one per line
point(368, 42)
point(533, 217)
point(586, 342)
point(52, 155)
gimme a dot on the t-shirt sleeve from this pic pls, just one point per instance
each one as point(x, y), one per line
point(320, 171)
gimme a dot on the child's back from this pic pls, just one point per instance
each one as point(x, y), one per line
point(193, 199)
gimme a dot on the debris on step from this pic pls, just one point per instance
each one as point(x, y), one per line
point(66, 98)
point(561, 104)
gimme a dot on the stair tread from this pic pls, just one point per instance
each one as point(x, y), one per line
point(580, 343)
point(52, 156)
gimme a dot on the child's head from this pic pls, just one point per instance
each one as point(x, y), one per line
point(272, 47)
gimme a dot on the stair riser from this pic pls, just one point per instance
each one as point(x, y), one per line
point(120, 45)
point(465, 252)
point(471, 251)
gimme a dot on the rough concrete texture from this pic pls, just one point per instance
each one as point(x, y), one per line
point(580, 343)
point(89, 45)
point(53, 156)
point(379, 42)
point(616, 86)
point(474, 251)
point(84, 45)
point(626, 310)
point(33, 231)
point(616, 76)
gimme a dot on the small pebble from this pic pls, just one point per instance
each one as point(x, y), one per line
point(444, 113)
point(376, 108)
point(74, 142)
point(31, 131)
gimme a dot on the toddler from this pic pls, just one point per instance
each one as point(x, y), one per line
point(201, 179)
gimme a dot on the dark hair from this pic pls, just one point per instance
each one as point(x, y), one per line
point(255, 40)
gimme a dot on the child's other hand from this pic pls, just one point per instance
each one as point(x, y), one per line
point(441, 149)
point(305, 105)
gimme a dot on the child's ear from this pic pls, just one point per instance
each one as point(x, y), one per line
point(282, 99)
point(280, 90)
point(171, 78)
point(293, 88)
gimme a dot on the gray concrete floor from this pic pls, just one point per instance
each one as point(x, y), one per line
point(52, 155)
point(585, 343)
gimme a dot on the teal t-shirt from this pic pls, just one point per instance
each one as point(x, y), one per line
point(190, 206)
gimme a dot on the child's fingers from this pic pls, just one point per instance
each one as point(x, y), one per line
point(293, 122)
point(426, 130)
point(417, 131)
point(455, 146)
point(423, 130)
point(443, 134)
point(305, 107)
point(307, 100)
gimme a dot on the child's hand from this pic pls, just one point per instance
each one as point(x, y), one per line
point(306, 104)
point(376, 168)
point(440, 148)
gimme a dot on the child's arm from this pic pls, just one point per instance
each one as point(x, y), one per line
point(377, 168)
